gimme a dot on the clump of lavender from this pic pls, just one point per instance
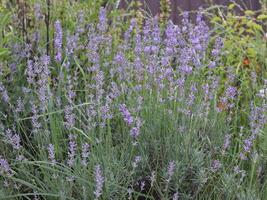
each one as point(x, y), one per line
point(199, 39)
point(58, 41)
point(99, 180)
point(258, 120)
point(85, 154)
point(72, 150)
point(51, 154)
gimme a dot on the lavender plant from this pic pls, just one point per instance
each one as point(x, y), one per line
point(147, 116)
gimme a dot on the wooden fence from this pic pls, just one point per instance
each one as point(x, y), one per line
point(153, 6)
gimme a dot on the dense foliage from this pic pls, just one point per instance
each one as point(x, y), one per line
point(92, 108)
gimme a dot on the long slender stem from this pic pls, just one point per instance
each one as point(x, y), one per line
point(47, 22)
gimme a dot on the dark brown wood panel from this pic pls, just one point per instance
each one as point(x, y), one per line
point(153, 6)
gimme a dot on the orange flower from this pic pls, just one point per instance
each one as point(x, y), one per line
point(246, 61)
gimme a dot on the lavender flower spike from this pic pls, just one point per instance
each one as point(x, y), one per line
point(171, 169)
point(4, 167)
point(13, 139)
point(126, 114)
point(85, 153)
point(99, 179)
point(51, 153)
point(216, 165)
point(58, 41)
point(72, 150)
point(175, 196)
point(102, 24)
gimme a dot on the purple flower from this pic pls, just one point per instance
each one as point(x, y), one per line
point(217, 47)
point(192, 97)
point(212, 65)
point(142, 185)
point(70, 92)
point(71, 150)
point(175, 196)
point(138, 43)
point(21, 158)
point(37, 11)
point(136, 161)
point(72, 41)
point(20, 105)
point(185, 22)
point(99, 180)
point(4, 167)
point(30, 72)
point(231, 92)
point(135, 131)
point(170, 170)
point(43, 81)
point(247, 145)
point(51, 154)
point(199, 39)
point(4, 93)
point(58, 41)
point(227, 141)
point(35, 123)
point(152, 178)
point(102, 23)
point(206, 89)
point(216, 165)
point(126, 114)
point(171, 39)
point(69, 117)
point(13, 139)
point(85, 153)
point(127, 34)
point(80, 25)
